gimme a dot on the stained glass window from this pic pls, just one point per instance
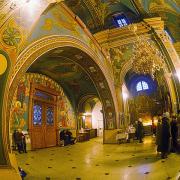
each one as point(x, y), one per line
point(142, 85)
point(49, 116)
point(37, 114)
point(145, 85)
point(139, 86)
point(120, 20)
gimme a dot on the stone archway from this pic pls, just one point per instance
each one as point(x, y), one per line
point(90, 100)
point(95, 71)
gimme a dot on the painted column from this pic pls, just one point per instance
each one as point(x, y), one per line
point(120, 105)
point(172, 59)
point(4, 70)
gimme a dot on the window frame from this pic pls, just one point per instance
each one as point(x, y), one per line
point(142, 86)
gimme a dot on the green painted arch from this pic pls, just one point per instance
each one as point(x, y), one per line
point(3, 126)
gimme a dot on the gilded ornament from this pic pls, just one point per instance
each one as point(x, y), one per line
point(11, 36)
point(48, 24)
point(146, 57)
point(3, 64)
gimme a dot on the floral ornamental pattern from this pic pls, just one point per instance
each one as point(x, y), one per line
point(11, 36)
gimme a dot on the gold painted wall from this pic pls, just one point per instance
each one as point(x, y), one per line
point(20, 104)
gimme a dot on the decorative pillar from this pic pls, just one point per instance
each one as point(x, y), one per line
point(172, 59)
point(117, 61)
point(120, 105)
point(168, 77)
point(4, 70)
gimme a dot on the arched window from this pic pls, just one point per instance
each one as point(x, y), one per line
point(141, 86)
point(120, 20)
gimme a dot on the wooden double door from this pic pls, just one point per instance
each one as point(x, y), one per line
point(43, 124)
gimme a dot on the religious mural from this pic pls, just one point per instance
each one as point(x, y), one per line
point(19, 31)
point(97, 14)
point(20, 104)
point(70, 75)
point(56, 20)
point(119, 56)
point(66, 116)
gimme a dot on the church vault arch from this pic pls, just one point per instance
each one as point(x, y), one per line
point(35, 50)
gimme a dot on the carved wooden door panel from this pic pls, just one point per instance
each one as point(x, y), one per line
point(50, 129)
point(43, 119)
point(37, 126)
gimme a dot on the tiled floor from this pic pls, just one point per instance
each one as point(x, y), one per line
point(94, 161)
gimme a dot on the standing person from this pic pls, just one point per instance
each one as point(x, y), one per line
point(174, 134)
point(23, 142)
point(14, 139)
point(165, 134)
point(153, 129)
point(135, 125)
point(158, 134)
point(19, 140)
point(140, 131)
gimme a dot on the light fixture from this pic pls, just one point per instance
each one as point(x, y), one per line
point(178, 73)
point(125, 95)
point(146, 58)
point(87, 114)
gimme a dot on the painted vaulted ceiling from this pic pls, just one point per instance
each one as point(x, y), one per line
point(98, 14)
point(59, 65)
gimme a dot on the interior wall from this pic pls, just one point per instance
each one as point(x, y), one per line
point(19, 112)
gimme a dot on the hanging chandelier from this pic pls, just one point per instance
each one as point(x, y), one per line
point(146, 58)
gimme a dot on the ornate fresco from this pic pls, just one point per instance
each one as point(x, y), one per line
point(119, 56)
point(34, 27)
point(20, 104)
point(97, 14)
point(72, 71)
point(59, 65)
point(169, 10)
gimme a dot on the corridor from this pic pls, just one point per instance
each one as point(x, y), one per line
point(94, 161)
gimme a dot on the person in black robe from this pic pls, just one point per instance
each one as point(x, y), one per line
point(14, 139)
point(140, 130)
point(174, 134)
point(62, 137)
point(165, 137)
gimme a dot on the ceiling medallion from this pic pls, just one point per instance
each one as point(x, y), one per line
point(146, 58)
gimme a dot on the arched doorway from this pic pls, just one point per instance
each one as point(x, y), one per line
point(83, 57)
point(91, 115)
point(97, 118)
